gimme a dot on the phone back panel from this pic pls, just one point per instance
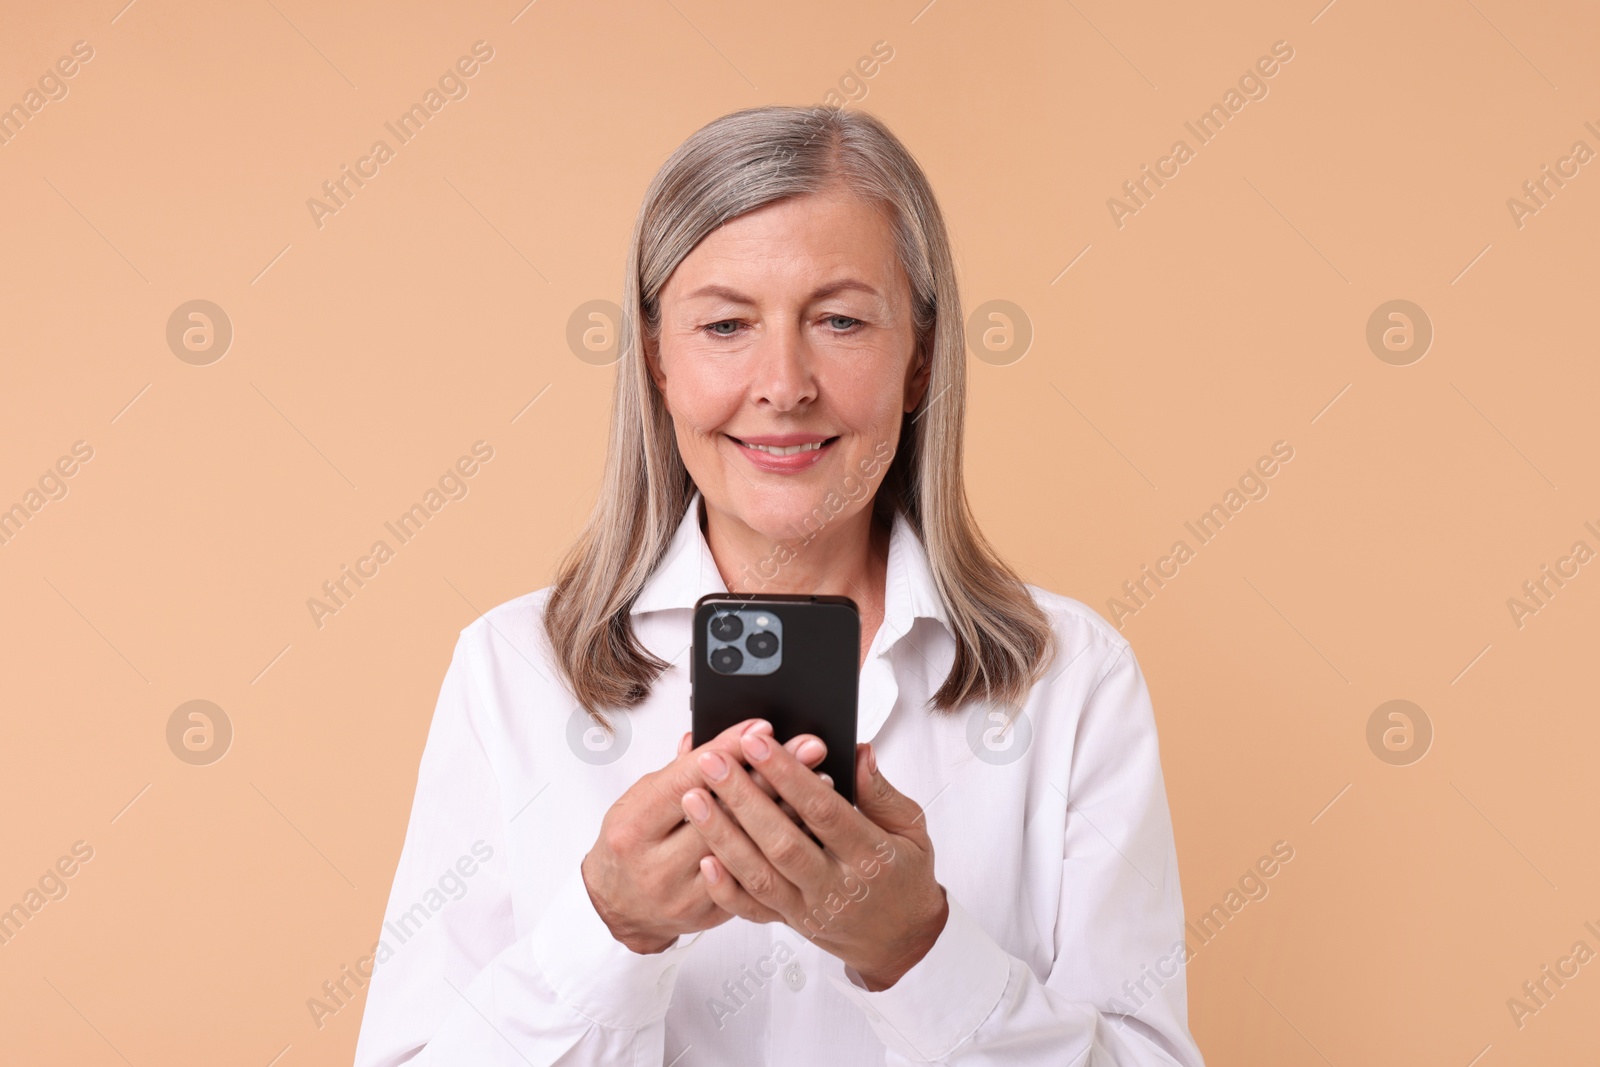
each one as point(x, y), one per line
point(813, 690)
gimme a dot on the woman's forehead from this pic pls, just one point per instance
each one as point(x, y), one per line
point(842, 249)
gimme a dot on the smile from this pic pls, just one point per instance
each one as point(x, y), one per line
point(785, 454)
point(791, 450)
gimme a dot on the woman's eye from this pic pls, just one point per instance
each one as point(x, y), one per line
point(838, 323)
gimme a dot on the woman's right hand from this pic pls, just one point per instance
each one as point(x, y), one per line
point(643, 871)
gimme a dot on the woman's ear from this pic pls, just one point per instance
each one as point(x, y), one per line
point(917, 377)
point(652, 362)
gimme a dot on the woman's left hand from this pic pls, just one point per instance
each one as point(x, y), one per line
point(867, 895)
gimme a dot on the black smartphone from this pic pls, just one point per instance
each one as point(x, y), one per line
point(790, 659)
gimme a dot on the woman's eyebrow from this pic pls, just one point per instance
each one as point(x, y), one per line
point(820, 293)
point(843, 284)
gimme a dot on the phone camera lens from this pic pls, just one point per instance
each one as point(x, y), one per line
point(763, 643)
point(726, 627)
point(727, 660)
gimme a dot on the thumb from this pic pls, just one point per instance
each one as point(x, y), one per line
point(881, 802)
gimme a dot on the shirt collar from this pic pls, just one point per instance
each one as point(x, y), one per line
point(688, 571)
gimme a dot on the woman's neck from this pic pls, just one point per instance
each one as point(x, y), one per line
point(848, 556)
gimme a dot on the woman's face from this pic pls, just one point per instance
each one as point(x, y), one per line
point(790, 326)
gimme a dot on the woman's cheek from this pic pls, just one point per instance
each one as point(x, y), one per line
point(700, 403)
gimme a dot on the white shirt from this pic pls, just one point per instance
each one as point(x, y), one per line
point(1064, 942)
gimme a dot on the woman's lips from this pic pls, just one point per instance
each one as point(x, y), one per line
point(798, 461)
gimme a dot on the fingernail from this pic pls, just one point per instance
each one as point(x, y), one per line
point(826, 777)
point(809, 751)
point(709, 869)
point(758, 726)
point(757, 745)
point(696, 807)
point(872, 759)
point(714, 766)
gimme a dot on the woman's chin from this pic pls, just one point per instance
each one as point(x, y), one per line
point(792, 515)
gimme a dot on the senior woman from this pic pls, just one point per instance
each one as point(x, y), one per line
point(579, 886)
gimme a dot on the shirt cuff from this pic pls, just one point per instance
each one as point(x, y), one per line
point(592, 972)
point(938, 1004)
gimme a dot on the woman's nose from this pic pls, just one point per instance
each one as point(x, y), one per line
point(784, 371)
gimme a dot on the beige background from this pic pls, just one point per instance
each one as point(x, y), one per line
point(368, 354)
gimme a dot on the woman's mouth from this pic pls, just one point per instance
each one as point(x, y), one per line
point(786, 453)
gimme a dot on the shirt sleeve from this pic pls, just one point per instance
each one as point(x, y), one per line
point(1115, 995)
point(453, 983)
